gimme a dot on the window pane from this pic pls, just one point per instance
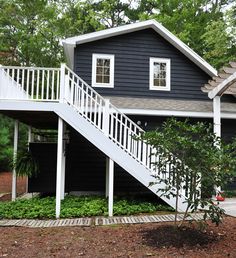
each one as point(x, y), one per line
point(156, 70)
point(106, 71)
point(106, 62)
point(99, 78)
point(99, 70)
point(99, 62)
point(156, 82)
point(163, 74)
point(163, 66)
point(163, 82)
point(106, 79)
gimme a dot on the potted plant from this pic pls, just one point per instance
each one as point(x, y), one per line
point(25, 164)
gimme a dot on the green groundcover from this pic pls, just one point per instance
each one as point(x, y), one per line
point(72, 206)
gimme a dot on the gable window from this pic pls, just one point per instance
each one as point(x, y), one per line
point(159, 78)
point(103, 70)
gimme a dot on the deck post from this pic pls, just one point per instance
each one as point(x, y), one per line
point(110, 169)
point(30, 139)
point(16, 132)
point(62, 82)
point(63, 164)
point(59, 167)
point(217, 126)
point(217, 116)
point(107, 177)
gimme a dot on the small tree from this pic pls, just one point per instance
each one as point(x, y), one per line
point(190, 161)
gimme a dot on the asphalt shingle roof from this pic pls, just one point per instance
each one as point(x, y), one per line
point(168, 104)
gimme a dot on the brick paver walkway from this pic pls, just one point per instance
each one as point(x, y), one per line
point(97, 221)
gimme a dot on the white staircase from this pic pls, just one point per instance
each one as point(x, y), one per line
point(91, 115)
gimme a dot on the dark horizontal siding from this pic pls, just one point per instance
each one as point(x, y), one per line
point(132, 52)
point(85, 164)
point(46, 155)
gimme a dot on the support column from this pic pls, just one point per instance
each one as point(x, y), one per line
point(59, 167)
point(63, 164)
point(217, 116)
point(16, 132)
point(30, 139)
point(110, 184)
point(62, 83)
point(217, 126)
point(107, 177)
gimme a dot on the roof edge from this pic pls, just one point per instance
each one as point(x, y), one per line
point(160, 29)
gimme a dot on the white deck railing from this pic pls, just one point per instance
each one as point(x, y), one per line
point(63, 85)
point(29, 83)
point(106, 117)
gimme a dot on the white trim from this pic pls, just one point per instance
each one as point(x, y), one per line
point(44, 106)
point(153, 112)
point(151, 73)
point(94, 66)
point(28, 105)
point(70, 43)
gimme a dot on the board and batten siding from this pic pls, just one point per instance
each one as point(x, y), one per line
point(132, 53)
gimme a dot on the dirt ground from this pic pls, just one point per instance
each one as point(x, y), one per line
point(143, 240)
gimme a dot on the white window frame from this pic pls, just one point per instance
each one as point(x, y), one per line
point(94, 64)
point(151, 74)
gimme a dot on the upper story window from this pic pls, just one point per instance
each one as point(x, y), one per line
point(103, 70)
point(159, 78)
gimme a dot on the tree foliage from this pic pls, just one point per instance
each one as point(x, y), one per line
point(190, 161)
point(30, 31)
point(6, 151)
point(6, 141)
point(190, 20)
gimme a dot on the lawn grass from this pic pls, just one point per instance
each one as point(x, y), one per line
point(73, 206)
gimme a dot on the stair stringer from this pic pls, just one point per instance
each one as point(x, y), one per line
point(113, 151)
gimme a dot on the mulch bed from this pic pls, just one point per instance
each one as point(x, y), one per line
point(5, 197)
point(143, 240)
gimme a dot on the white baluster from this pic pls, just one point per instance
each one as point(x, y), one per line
point(48, 84)
point(53, 79)
point(37, 85)
point(42, 90)
point(32, 93)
